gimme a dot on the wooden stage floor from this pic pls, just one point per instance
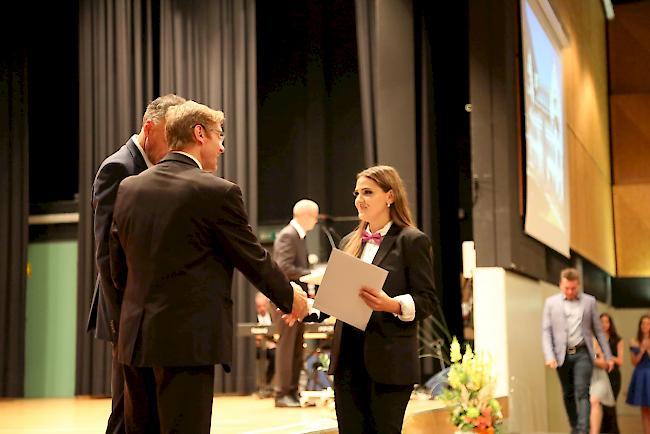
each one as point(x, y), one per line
point(230, 415)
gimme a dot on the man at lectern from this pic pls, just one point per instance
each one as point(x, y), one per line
point(290, 252)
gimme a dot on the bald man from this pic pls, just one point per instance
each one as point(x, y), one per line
point(290, 252)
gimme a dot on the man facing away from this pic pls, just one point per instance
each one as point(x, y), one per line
point(290, 252)
point(140, 152)
point(569, 323)
point(182, 230)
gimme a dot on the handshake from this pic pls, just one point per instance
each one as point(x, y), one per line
point(300, 307)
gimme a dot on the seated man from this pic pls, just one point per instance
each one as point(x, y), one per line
point(316, 367)
point(265, 349)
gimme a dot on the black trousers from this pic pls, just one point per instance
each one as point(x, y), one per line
point(168, 400)
point(364, 406)
point(116, 419)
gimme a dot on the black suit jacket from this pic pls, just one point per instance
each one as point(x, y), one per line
point(180, 232)
point(390, 344)
point(290, 252)
point(104, 313)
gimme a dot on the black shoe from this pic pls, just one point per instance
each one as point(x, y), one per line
point(287, 401)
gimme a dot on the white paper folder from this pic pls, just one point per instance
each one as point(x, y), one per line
point(338, 294)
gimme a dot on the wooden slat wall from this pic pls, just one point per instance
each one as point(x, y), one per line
point(629, 53)
point(587, 117)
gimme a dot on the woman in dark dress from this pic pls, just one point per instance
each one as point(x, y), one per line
point(610, 422)
point(639, 391)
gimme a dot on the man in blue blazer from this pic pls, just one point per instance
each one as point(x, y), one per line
point(140, 152)
point(569, 325)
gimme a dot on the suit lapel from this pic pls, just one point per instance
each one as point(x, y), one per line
point(583, 303)
point(301, 248)
point(386, 244)
point(561, 316)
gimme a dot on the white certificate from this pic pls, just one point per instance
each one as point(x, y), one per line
point(338, 294)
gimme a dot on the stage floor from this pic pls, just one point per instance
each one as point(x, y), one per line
point(230, 415)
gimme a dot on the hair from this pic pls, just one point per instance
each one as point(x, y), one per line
point(304, 205)
point(182, 118)
point(400, 213)
point(157, 109)
point(639, 333)
point(570, 274)
point(260, 296)
point(613, 334)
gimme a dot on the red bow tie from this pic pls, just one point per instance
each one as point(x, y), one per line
point(373, 238)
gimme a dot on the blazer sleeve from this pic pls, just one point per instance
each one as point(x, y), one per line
point(247, 254)
point(547, 332)
point(284, 252)
point(105, 189)
point(118, 268)
point(598, 332)
point(419, 262)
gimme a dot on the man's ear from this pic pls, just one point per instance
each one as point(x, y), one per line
point(199, 134)
point(147, 127)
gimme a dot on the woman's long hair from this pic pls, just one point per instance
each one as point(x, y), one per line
point(639, 332)
point(613, 334)
point(400, 213)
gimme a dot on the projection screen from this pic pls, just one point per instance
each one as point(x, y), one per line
point(547, 216)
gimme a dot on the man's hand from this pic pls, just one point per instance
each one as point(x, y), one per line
point(552, 364)
point(299, 308)
point(610, 365)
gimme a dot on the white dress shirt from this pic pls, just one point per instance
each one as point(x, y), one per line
point(573, 311)
point(191, 156)
point(146, 159)
point(298, 228)
point(405, 300)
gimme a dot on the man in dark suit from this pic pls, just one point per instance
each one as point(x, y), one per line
point(181, 230)
point(290, 252)
point(140, 152)
point(569, 324)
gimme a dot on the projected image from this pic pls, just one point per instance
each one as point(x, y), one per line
point(547, 205)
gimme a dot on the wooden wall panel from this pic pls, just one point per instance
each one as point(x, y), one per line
point(629, 63)
point(632, 223)
point(592, 233)
point(631, 138)
point(587, 130)
point(585, 76)
point(629, 48)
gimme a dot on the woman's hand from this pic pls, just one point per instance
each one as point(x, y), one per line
point(379, 301)
point(645, 346)
point(600, 361)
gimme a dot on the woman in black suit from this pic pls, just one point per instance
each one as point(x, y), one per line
point(374, 370)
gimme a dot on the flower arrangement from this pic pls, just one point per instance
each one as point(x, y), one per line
point(469, 396)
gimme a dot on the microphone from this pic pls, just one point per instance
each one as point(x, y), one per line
point(324, 218)
point(329, 236)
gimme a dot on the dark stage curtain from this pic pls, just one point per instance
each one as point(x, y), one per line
point(14, 206)
point(131, 52)
point(366, 46)
point(116, 80)
point(208, 53)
